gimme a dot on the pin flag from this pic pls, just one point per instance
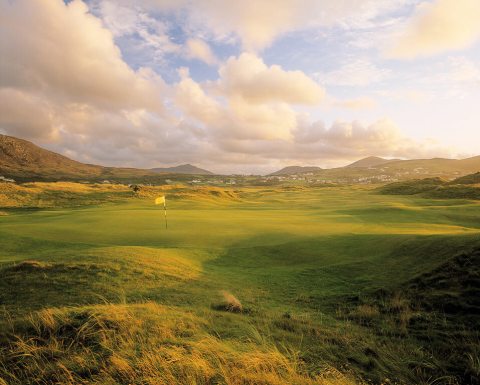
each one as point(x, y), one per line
point(159, 201)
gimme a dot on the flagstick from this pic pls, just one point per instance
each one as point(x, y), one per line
point(165, 211)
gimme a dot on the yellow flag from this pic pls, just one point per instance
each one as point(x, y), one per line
point(160, 200)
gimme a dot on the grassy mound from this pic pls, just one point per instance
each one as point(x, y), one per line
point(436, 188)
point(70, 194)
point(60, 194)
point(411, 187)
point(468, 179)
point(440, 309)
point(455, 192)
point(182, 192)
point(452, 288)
point(97, 275)
point(140, 344)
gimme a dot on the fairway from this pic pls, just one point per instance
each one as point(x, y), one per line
point(299, 260)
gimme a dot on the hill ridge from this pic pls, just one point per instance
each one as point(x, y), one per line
point(21, 159)
point(289, 170)
point(370, 161)
point(185, 168)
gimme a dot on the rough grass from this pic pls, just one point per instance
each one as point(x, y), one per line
point(468, 179)
point(60, 194)
point(440, 307)
point(70, 194)
point(462, 188)
point(141, 344)
point(103, 293)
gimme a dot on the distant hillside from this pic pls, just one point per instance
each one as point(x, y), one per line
point(24, 161)
point(296, 170)
point(183, 169)
point(19, 158)
point(401, 170)
point(379, 170)
point(371, 161)
point(436, 165)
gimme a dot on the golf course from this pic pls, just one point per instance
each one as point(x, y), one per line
point(254, 285)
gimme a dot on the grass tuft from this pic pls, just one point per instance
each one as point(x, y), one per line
point(229, 303)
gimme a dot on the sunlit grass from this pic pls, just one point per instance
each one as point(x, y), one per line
point(246, 286)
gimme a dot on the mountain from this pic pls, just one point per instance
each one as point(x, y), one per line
point(290, 170)
point(437, 166)
point(25, 161)
point(183, 169)
point(19, 158)
point(370, 161)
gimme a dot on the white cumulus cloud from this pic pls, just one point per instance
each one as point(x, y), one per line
point(438, 26)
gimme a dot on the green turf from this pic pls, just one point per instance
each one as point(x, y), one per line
point(297, 260)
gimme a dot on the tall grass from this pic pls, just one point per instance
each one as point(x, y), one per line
point(140, 344)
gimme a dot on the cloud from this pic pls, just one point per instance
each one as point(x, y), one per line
point(438, 26)
point(258, 23)
point(249, 77)
point(42, 51)
point(351, 140)
point(344, 141)
point(249, 101)
point(131, 23)
point(226, 115)
point(198, 49)
point(271, 131)
point(26, 115)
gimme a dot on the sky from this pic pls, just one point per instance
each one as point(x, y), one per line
point(242, 86)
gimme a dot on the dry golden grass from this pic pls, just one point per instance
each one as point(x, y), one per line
point(141, 344)
point(400, 306)
point(66, 194)
point(178, 191)
point(229, 303)
point(58, 194)
point(365, 314)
